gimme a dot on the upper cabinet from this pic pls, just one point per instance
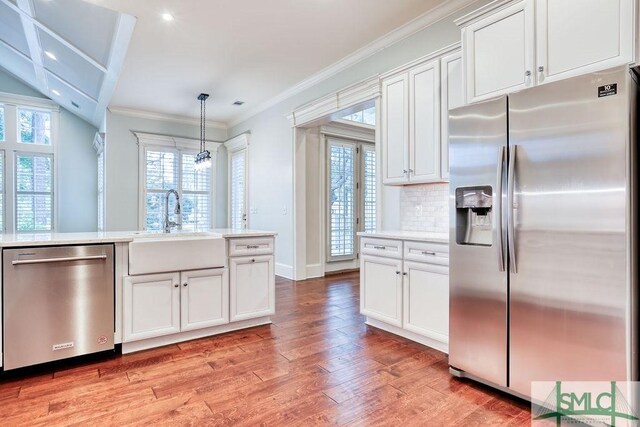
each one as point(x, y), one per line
point(451, 96)
point(414, 108)
point(509, 45)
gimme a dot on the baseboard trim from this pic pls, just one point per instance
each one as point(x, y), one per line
point(130, 347)
point(314, 270)
point(429, 342)
point(284, 270)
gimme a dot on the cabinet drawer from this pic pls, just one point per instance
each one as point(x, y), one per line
point(432, 253)
point(251, 246)
point(382, 247)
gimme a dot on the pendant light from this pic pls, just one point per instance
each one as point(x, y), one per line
point(203, 159)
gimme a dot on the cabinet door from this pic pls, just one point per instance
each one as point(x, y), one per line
point(151, 305)
point(395, 129)
point(499, 52)
point(426, 300)
point(581, 36)
point(381, 289)
point(252, 287)
point(424, 123)
point(204, 298)
point(451, 96)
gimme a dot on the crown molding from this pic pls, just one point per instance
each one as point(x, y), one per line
point(426, 58)
point(150, 115)
point(415, 25)
point(467, 19)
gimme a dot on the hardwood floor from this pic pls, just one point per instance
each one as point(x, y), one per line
point(317, 364)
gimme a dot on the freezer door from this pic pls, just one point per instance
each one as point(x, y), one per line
point(569, 285)
point(478, 282)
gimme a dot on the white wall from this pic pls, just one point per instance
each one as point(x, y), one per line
point(76, 164)
point(272, 137)
point(121, 159)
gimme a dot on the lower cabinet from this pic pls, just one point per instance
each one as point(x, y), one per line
point(252, 286)
point(168, 303)
point(381, 289)
point(426, 300)
point(408, 291)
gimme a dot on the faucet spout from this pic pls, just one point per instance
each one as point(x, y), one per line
point(168, 224)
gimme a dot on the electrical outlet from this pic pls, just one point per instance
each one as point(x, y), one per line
point(418, 210)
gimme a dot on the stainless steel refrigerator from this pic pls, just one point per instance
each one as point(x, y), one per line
point(543, 279)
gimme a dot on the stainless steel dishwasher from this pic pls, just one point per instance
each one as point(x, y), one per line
point(58, 303)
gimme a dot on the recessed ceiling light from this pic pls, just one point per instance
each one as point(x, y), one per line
point(167, 17)
point(55, 92)
point(50, 55)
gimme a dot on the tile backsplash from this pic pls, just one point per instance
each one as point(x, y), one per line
point(425, 208)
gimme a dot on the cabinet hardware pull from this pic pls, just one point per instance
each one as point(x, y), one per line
point(252, 246)
point(404, 274)
point(404, 171)
point(380, 247)
point(176, 285)
point(253, 260)
point(410, 170)
point(541, 68)
point(428, 253)
point(527, 73)
point(397, 272)
point(184, 284)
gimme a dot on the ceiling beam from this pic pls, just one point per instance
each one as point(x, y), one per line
point(25, 8)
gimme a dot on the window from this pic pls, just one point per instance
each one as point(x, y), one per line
point(35, 126)
point(237, 190)
point(351, 198)
point(34, 192)
point(366, 116)
point(1, 123)
point(27, 165)
point(167, 169)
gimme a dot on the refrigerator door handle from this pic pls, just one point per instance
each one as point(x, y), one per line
point(498, 208)
point(511, 209)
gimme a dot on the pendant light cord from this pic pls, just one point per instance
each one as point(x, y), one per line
point(202, 127)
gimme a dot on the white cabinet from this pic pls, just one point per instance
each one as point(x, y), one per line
point(395, 129)
point(151, 305)
point(168, 303)
point(510, 45)
point(580, 36)
point(424, 122)
point(410, 124)
point(381, 289)
point(499, 52)
point(451, 96)
point(426, 300)
point(253, 287)
point(204, 298)
point(407, 291)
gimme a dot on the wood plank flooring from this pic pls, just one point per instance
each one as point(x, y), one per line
point(317, 364)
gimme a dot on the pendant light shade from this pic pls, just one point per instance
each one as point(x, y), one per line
point(203, 158)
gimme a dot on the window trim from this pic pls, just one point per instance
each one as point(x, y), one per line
point(11, 146)
point(234, 146)
point(177, 144)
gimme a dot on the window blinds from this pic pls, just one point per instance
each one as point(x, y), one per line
point(237, 178)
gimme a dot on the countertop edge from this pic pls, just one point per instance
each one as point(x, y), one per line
point(405, 235)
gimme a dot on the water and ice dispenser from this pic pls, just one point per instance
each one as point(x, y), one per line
point(474, 216)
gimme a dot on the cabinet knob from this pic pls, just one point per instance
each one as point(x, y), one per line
point(176, 285)
point(397, 272)
point(410, 170)
point(541, 68)
point(404, 274)
point(184, 284)
point(404, 171)
point(527, 73)
point(253, 260)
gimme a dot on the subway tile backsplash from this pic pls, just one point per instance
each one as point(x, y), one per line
point(425, 208)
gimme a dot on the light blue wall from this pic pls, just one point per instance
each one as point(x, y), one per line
point(76, 164)
point(271, 151)
point(122, 167)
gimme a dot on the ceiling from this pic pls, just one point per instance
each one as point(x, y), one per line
point(235, 50)
point(69, 50)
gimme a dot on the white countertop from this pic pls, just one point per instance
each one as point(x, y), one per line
point(419, 236)
point(53, 239)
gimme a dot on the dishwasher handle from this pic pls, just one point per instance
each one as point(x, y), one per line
point(59, 259)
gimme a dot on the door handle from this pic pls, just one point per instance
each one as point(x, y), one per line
point(60, 259)
point(498, 209)
point(511, 238)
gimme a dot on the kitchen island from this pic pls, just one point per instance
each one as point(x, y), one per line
point(171, 287)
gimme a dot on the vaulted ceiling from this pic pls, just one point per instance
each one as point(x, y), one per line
point(236, 50)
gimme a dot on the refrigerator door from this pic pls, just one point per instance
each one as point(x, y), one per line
point(569, 284)
point(478, 280)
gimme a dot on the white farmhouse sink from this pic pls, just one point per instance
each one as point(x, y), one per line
point(162, 252)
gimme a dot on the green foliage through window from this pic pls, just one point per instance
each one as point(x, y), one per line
point(35, 127)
